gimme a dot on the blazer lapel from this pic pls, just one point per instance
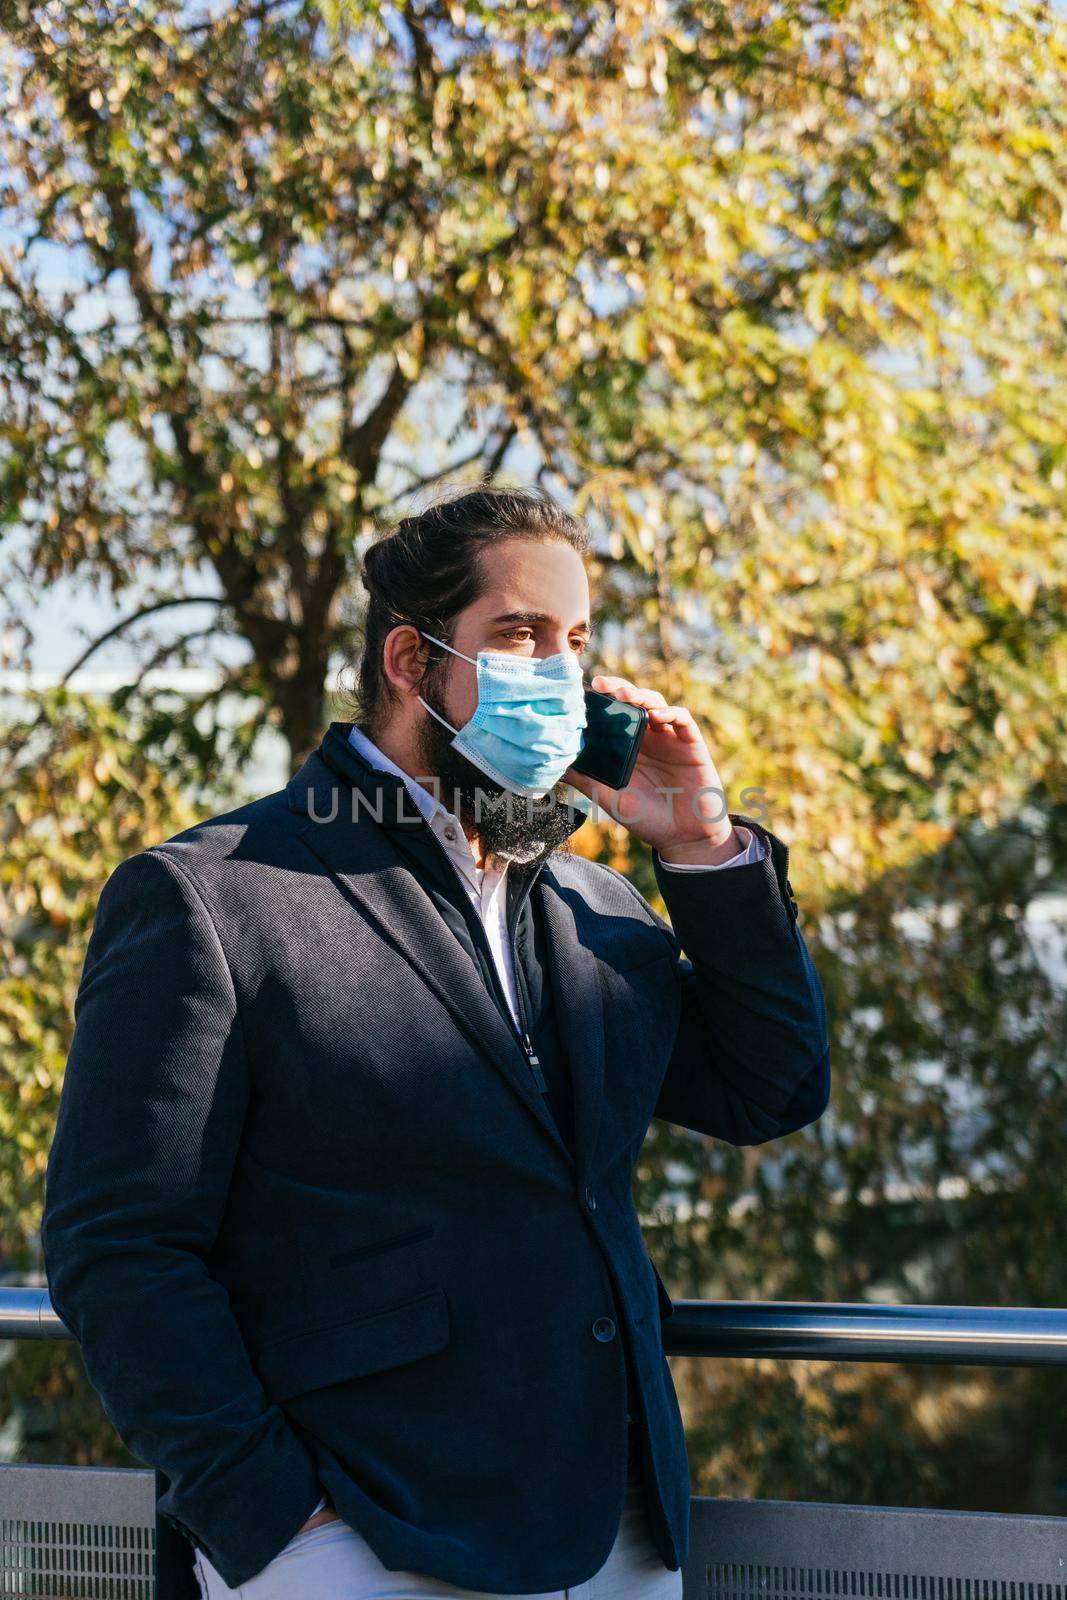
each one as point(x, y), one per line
point(366, 864)
point(580, 1006)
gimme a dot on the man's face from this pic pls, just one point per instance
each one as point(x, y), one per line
point(536, 603)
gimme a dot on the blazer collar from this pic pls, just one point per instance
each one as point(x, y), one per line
point(382, 795)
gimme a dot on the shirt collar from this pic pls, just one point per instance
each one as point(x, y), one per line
point(427, 803)
point(454, 839)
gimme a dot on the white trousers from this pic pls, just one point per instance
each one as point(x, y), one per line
point(334, 1562)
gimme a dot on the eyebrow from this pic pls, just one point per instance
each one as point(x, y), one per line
point(537, 616)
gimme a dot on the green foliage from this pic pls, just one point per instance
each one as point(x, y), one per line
point(80, 793)
point(936, 1176)
point(777, 302)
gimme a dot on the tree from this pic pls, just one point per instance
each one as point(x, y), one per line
point(79, 794)
point(774, 296)
point(776, 301)
point(936, 1177)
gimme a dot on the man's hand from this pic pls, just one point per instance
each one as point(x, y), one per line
point(662, 804)
point(325, 1515)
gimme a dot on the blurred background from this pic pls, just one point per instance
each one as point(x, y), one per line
point(773, 295)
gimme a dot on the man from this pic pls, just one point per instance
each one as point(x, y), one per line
point(339, 1203)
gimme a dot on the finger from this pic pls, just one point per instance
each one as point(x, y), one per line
point(666, 716)
point(677, 721)
point(623, 689)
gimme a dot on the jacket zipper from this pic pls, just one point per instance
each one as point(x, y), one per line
point(524, 1037)
point(535, 1065)
point(521, 1033)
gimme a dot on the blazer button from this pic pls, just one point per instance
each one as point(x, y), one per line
point(603, 1329)
point(590, 1199)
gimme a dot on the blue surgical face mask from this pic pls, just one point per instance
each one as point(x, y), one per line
point(528, 724)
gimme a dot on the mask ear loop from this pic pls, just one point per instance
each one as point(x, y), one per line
point(444, 646)
point(436, 714)
point(462, 657)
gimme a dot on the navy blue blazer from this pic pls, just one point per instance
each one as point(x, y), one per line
point(312, 1223)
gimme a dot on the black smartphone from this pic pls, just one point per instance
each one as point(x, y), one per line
point(612, 737)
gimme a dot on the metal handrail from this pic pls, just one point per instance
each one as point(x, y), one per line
point(812, 1330)
point(29, 1314)
point(796, 1330)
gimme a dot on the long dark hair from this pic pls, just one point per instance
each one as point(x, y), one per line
point(425, 570)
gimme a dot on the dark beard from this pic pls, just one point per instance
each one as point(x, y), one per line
point(512, 826)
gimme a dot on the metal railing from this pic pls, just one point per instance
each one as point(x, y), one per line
point(75, 1533)
point(803, 1330)
point(794, 1330)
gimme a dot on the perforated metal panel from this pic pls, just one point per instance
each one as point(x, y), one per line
point(76, 1533)
point(797, 1583)
point(88, 1533)
point(793, 1550)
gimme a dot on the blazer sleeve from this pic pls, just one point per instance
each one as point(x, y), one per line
point(150, 1116)
point(751, 1059)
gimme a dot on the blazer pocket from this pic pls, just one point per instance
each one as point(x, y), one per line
point(373, 1342)
point(377, 1247)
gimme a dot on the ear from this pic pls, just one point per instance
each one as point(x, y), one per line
point(405, 657)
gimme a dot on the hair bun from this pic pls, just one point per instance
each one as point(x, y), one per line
point(371, 559)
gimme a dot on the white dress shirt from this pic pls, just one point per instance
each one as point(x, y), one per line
point(486, 885)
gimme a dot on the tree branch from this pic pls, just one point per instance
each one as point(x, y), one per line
point(136, 616)
point(131, 251)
